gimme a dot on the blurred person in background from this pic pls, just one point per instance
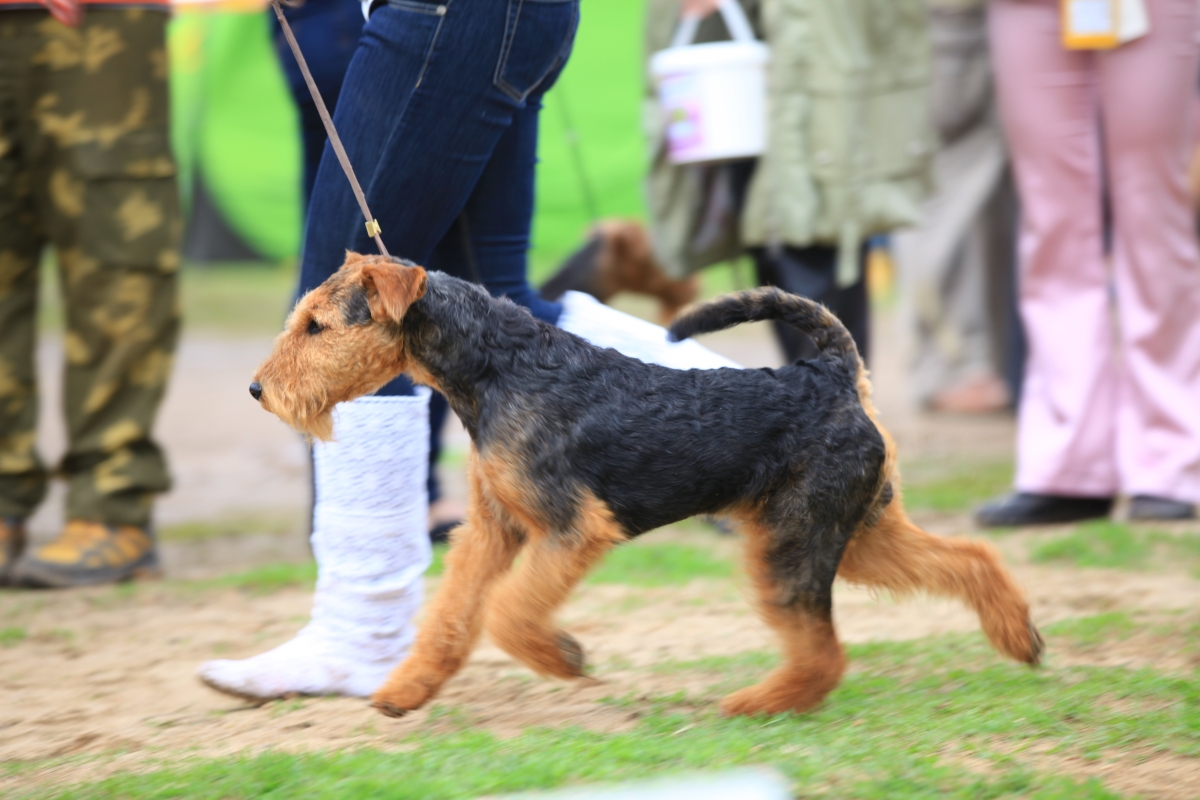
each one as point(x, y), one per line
point(439, 114)
point(1111, 397)
point(956, 267)
point(85, 166)
point(848, 148)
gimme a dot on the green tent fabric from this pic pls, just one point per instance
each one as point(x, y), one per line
point(234, 123)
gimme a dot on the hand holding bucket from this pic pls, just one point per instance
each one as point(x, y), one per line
point(714, 94)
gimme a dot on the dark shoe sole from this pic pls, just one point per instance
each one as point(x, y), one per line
point(1059, 511)
point(33, 575)
point(1156, 510)
point(1033, 520)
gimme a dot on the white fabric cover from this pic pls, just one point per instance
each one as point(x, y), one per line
point(588, 318)
point(372, 548)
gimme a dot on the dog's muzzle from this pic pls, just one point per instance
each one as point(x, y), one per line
point(256, 390)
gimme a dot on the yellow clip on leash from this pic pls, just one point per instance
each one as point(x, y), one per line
point(373, 229)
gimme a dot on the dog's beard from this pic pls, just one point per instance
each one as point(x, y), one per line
point(318, 427)
point(312, 417)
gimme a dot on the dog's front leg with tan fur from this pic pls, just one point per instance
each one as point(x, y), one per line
point(520, 618)
point(481, 551)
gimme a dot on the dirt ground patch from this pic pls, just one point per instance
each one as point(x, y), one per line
point(102, 679)
point(1160, 775)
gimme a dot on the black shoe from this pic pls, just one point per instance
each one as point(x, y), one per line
point(1027, 508)
point(440, 533)
point(1147, 507)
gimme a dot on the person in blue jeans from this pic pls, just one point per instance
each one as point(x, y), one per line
point(327, 32)
point(439, 115)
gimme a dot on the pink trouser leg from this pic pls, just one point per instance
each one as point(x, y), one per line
point(1095, 421)
point(1146, 91)
point(1066, 441)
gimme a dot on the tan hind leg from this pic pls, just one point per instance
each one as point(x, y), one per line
point(897, 555)
point(813, 660)
point(520, 617)
point(482, 549)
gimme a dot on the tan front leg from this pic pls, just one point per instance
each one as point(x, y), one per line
point(481, 551)
point(520, 615)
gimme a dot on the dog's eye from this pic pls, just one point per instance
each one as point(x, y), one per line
point(314, 327)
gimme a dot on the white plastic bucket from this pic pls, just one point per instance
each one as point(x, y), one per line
point(714, 96)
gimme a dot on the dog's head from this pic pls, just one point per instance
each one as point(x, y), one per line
point(342, 340)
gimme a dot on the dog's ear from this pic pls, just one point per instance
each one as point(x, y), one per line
point(352, 258)
point(391, 289)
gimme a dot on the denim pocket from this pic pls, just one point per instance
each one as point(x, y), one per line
point(537, 39)
point(436, 8)
point(416, 33)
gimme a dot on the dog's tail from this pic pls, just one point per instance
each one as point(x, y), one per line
point(827, 331)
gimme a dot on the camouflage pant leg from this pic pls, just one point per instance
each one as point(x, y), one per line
point(22, 478)
point(111, 208)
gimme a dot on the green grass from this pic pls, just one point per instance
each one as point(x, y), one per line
point(10, 637)
point(197, 530)
point(439, 561)
point(659, 564)
point(1089, 632)
point(1117, 545)
point(937, 717)
point(272, 578)
point(955, 487)
point(263, 580)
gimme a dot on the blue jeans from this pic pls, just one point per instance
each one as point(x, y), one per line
point(439, 114)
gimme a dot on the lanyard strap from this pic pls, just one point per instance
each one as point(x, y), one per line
point(373, 229)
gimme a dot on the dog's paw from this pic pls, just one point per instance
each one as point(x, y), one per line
point(389, 710)
point(396, 701)
point(778, 694)
point(740, 704)
point(749, 702)
point(571, 653)
point(1018, 639)
point(1037, 646)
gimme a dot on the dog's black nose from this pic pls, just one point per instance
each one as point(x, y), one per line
point(256, 390)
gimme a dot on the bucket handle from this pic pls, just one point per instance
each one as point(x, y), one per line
point(735, 21)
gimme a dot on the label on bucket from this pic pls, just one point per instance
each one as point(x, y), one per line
point(681, 99)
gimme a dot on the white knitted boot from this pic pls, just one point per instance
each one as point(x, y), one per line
point(372, 548)
point(588, 318)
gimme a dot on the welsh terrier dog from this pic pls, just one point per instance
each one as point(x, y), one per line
point(576, 449)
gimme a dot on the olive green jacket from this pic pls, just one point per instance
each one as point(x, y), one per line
point(848, 129)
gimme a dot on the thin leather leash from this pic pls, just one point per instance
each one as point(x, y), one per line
point(373, 229)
